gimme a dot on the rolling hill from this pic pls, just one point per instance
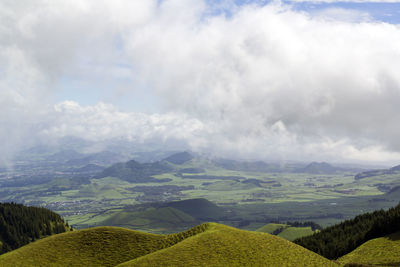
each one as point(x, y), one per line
point(286, 231)
point(208, 244)
point(166, 217)
point(383, 251)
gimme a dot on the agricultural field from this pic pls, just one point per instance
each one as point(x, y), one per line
point(87, 192)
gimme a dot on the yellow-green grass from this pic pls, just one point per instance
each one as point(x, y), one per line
point(100, 246)
point(383, 251)
point(222, 245)
point(288, 232)
point(292, 233)
point(271, 227)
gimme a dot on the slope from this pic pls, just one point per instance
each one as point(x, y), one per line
point(286, 231)
point(222, 245)
point(383, 251)
point(100, 246)
point(20, 225)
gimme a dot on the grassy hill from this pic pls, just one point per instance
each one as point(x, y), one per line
point(286, 231)
point(384, 251)
point(100, 246)
point(221, 245)
point(152, 219)
point(208, 244)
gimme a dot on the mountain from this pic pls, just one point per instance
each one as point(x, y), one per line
point(104, 158)
point(383, 251)
point(393, 170)
point(136, 172)
point(179, 158)
point(199, 208)
point(336, 241)
point(20, 225)
point(319, 168)
point(208, 244)
point(166, 217)
point(247, 166)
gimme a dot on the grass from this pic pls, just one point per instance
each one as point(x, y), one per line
point(287, 232)
point(384, 251)
point(222, 245)
point(208, 244)
point(291, 233)
point(100, 246)
point(271, 227)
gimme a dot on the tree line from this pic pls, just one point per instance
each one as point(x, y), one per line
point(20, 225)
point(338, 240)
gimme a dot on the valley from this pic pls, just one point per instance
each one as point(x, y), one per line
point(99, 189)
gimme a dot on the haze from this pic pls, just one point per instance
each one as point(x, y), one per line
point(246, 79)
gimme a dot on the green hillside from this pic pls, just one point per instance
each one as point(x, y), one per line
point(100, 246)
point(384, 251)
point(292, 233)
point(208, 244)
point(152, 219)
point(270, 228)
point(222, 245)
point(286, 231)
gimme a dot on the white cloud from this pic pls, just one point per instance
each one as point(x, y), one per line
point(263, 82)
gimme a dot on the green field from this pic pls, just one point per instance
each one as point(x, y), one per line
point(254, 197)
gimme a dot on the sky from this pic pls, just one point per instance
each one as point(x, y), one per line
point(249, 79)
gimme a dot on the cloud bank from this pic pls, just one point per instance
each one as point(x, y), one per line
point(254, 81)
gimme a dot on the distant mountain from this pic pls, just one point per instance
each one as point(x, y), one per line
point(319, 168)
point(393, 170)
point(104, 158)
point(20, 225)
point(64, 155)
point(251, 166)
point(136, 172)
point(207, 244)
point(199, 208)
point(179, 158)
point(90, 168)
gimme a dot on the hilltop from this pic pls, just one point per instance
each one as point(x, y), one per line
point(383, 251)
point(208, 244)
point(319, 168)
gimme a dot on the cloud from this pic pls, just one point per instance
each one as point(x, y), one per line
point(260, 81)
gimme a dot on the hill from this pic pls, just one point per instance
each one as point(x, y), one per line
point(20, 225)
point(383, 251)
point(199, 208)
point(136, 172)
point(319, 168)
point(159, 220)
point(366, 174)
point(179, 158)
point(100, 246)
point(208, 244)
point(287, 231)
point(338, 240)
point(222, 245)
point(166, 217)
